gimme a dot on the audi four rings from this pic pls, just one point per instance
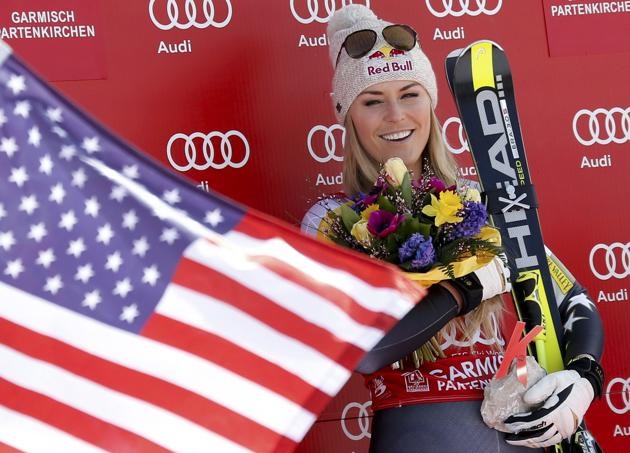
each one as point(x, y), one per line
point(443, 8)
point(360, 421)
point(319, 10)
point(330, 143)
point(616, 126)
point(188, 16)
point(622, 387)
point(189, 154)
point(616, 260)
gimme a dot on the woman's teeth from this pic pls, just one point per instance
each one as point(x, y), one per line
point(396, 136)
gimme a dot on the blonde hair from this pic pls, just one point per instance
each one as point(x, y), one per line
point(360, 170)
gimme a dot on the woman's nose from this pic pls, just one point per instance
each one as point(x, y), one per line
point(394, 112)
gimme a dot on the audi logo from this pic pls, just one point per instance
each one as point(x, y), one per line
point(616, 262)
point(171, 15)
point(618, 395)
point(187, 155)
point(360, 420)
point(329, 142)
point(311, 10)
point(460, 7)
point(616, 126)
point(462, 144)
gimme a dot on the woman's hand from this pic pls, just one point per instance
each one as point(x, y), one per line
point(565, 396)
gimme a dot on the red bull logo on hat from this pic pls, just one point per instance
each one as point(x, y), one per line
point(382, 61)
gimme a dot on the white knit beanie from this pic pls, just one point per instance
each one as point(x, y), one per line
point(352, 76)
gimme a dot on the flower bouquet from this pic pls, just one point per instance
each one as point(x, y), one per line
point(431, 231)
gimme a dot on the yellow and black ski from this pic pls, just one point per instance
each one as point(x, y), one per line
point(481, 83)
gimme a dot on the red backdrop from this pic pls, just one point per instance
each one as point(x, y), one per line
point(250, 79)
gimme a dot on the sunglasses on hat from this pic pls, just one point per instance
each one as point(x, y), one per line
point(359, 43)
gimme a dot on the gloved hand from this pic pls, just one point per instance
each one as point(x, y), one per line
point(566, 397)
point(484, 283)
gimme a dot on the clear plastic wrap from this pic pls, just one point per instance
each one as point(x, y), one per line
point(504, 397)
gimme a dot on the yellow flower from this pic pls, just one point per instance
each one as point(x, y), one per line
point(472, 195)
point(445, 208)
point(360, 233)
point(365, 214)
point(395, 171)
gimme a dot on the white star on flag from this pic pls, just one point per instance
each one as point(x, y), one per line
point(91, 144)
point(172, 196)
point(214, 217)
point(76, 248)
point(16, 84)
point(18, 176)
point(37, 232)
point(29, 204)
point(151, 275)
point(68, 220)
point(7, 240)
point(130, 220)
point(118, 193)
point(67, 152)
point(140, 247)
point(92, 299)
point(23, 109)
point(8, 145)
point(84, 273)
point(114, 261)
point(105, 234)
point(92, 206)
point(45, 258)
point(123, 288)
point(34, 136)
point(54, 114)
point(79, 178)
point(53, 284)
point(46, 165)
point(129, 313)
point(57, 193)
point(14, 268)
point(131, 171)
point(169, 235)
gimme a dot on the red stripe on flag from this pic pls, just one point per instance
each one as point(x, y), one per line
point(4, 448)
point(76, 423)
point(189, 405)
point(194, 276)
point(376, 273)
point(356, 311)
point(237, 360)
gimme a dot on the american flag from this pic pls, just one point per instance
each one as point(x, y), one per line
point(140, 314)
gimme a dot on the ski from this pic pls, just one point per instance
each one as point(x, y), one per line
point(480, 80)
point(482, 85)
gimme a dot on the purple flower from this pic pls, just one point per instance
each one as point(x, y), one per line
point(428, 184)
point(363, 201)
point(419, 250)
point(383, 223)
point(475, 216)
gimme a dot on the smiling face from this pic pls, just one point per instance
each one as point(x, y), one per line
point(393, 119)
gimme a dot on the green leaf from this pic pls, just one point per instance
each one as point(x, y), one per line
point(348, 216)
point(384, 203)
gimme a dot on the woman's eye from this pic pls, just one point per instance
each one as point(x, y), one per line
point(410, 95)
point(372, 102)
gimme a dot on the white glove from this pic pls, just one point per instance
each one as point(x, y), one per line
point(566, 396)
point(494, 277)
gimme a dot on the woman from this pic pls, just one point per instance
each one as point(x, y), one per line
point(385, 94)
